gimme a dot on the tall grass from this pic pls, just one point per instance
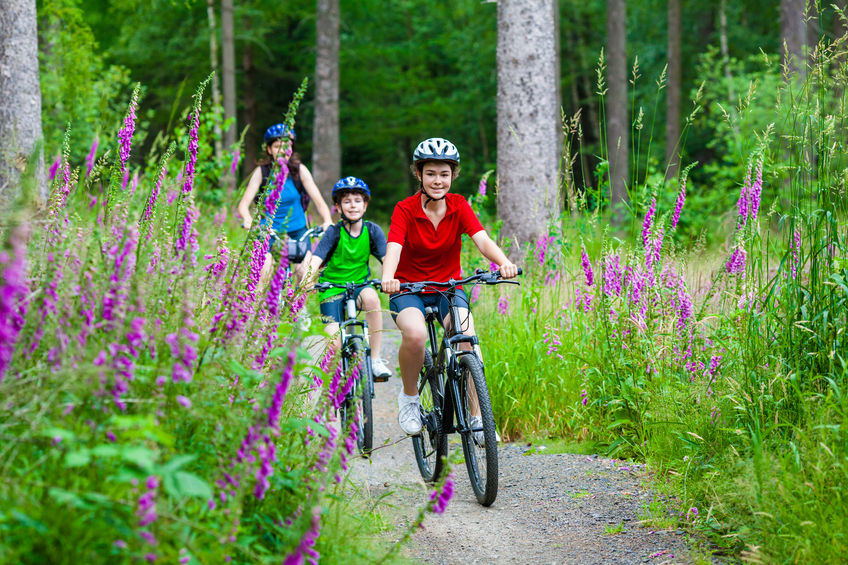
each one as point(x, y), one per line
point(724, 368)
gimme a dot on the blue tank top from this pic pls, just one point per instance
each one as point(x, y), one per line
point(289, 216)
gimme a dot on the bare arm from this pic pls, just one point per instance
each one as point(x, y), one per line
point(390, 264)
point(493, 253)
point(250, 193)
point(315, 195)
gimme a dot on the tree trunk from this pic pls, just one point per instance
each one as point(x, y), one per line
point(228, 76)
point(794, 32)
point(251, 138)
point(326, 146)
point(20, 100)
point(673, 90)
point(213, 63)
point(618, 126)
point(528, 119)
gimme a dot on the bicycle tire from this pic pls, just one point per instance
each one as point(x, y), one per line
point(480, 460)
point(365, 438)
point(430, 446)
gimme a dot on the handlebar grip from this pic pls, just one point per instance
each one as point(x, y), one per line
point(520, 271)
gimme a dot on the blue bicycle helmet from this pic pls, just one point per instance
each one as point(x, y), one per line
point(278, 131)
point(350, 184)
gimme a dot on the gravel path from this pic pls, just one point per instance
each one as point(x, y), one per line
point(559, 508)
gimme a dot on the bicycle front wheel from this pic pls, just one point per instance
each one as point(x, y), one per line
point(365, 439)
point(479, 439)
point(430, 446)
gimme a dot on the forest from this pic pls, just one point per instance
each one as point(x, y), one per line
point(671, 177)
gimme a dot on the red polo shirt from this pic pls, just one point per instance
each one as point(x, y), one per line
point(431, 254)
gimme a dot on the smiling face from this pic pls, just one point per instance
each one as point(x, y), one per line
point(353, 205)
point(436, 178)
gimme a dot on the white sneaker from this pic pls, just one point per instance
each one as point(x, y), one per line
point(379, 369)
point(479, 437)
point(409, 414)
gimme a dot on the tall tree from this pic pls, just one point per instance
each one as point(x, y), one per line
point(213, 63)
point(794, 32)
point(326, 145)
point(528, 118)
point(673, 89)
point(617, 122)
point(228, 76)
point(20, 97)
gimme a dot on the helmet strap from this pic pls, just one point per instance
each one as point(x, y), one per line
point(428, 198)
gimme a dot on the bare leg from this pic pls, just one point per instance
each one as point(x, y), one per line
point(467, 326)
point(369, 302)
point(411, 352)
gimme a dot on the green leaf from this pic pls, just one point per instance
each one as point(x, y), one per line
point(77, 458)
point(63, 496)
point(140, 456)
point(65, 435)
point(189, 484)
point(106, 450)
point(619, 423)
point(176, 463)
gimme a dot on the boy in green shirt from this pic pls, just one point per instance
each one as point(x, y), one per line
point(343, 252)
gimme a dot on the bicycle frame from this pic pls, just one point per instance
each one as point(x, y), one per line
point(446, 361)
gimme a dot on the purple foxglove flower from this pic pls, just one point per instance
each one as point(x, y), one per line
point(678, 206)
point(755, 193)
point(184, 401)
point(648, 221)
point(542, 247)
point(92, 155)
point(188, 182)
point(503, 305)
point(273, 197)
point(736, 264)
point(475, 293)
point(14, 290)
point(54, 168)
point(126, 134)
point(306, 548)
point(743, 204)
point(442, 498)
point(587, 267)
point(612, 275)
point(235, 161)
point(482, 188)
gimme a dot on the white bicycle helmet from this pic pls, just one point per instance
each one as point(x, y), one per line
point(436, 149)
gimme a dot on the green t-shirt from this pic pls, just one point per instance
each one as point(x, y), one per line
point(348, 262)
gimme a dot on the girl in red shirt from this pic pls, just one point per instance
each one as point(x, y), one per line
point(424, 244)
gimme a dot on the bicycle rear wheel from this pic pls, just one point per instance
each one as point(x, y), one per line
point(430, 446)
point(481, 453)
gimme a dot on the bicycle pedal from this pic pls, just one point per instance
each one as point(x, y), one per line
point(381, 379)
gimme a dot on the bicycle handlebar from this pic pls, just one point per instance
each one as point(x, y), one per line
point(352, 286)
point(484, 277)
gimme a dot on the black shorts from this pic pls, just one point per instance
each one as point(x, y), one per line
point(400, 301)
point(332, 309)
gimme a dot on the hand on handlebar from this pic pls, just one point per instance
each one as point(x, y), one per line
point(390, 286)
point(509, 270)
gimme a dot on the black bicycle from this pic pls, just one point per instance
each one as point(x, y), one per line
point(451, 383)
point(356, 351)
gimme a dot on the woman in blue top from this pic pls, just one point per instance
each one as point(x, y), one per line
point(290, 217)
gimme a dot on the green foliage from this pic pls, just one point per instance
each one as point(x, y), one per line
point(148, 391)
point(728, 380)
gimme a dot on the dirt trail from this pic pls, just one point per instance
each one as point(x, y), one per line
point(561, 508)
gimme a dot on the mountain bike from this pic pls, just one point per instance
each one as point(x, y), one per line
point(356, 351)
point(451, 382)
